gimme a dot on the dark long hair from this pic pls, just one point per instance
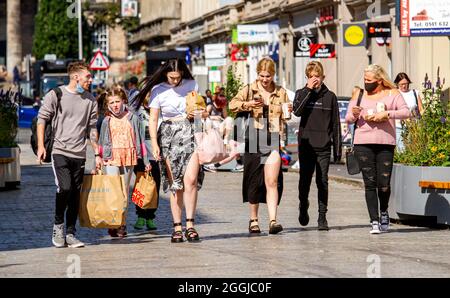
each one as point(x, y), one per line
point(160, 76)
point(402, 76)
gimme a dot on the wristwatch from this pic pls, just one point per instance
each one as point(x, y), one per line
point(96, 155)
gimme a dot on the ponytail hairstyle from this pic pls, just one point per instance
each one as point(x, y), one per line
point(160, 76)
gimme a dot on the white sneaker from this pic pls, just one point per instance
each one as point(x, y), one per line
point(58, 236)
point(296, 165)
point(72, 241)
point(384, 221)
point(210, 168)
point(238, 169)
point(375, 228)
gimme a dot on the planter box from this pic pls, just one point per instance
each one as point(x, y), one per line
point(409, 200)
point(9, 167)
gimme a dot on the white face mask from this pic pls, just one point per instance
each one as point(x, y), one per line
point(122, 109)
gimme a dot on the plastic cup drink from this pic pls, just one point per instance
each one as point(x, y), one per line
point(370, 112)
point(380, 107)
point(286, 112)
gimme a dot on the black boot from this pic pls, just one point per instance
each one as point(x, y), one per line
point(322, 222)
point(303, 218)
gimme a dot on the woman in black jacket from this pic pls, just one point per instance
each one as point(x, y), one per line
point(320, 129)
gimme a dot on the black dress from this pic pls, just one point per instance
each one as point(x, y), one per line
point(257, 150)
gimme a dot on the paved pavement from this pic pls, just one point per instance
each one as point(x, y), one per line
point(226, 249)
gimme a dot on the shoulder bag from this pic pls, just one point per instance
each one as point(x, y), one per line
point(352, 162)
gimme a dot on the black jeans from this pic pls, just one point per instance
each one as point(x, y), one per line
point(313, 159)
point(69, 178)
point(376, 163)
point(156, 173)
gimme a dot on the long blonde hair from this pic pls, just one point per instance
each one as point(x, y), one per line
point(380, 74)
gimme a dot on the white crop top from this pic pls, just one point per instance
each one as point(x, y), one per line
point(171, 101)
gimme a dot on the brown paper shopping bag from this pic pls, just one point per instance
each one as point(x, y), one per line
point(194, 102)
point(145, 194)
point(103, 201)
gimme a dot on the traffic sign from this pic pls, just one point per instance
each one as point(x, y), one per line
point(99, 62)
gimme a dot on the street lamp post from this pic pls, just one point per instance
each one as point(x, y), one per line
point(80, 32)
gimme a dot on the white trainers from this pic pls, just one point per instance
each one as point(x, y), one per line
point(296, 165)
point(73, 242)
point(384, 221)
point(375, 228)
point(238, 169)
point(210, 168)
point(58, 236)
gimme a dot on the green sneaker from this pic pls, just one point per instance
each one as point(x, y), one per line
point(140, 223)
point(151, 225)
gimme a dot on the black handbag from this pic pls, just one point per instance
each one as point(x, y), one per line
point(352, 162)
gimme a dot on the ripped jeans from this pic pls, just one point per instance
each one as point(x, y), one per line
point(376, 162)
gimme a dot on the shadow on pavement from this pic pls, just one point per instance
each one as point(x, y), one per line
point(27, 215)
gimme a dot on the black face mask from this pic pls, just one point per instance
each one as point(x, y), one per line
point(370, 87)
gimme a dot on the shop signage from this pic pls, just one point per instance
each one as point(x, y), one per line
point(129, 8)
point(214, 76)
point(258, 33)
point(199, 70)
point(354, 35)
point(215, 51)
point(319, 50)
point(238, 52)
point(302, 45)
point(424, 17)
point(378, 29)
point(216, 62)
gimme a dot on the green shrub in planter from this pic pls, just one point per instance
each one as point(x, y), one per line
point(427, 140)
point(232, 87)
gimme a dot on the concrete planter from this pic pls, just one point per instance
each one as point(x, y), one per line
point(9, 167)
point(409, 200)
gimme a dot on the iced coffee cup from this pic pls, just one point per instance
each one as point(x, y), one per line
point(286, 112)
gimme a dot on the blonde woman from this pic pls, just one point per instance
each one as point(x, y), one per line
point(263, 180)
point(380, 106)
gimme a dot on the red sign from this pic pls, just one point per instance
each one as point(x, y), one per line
point(319, 50)
point(238, 52)
point(404, 18)
point(99, 62)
